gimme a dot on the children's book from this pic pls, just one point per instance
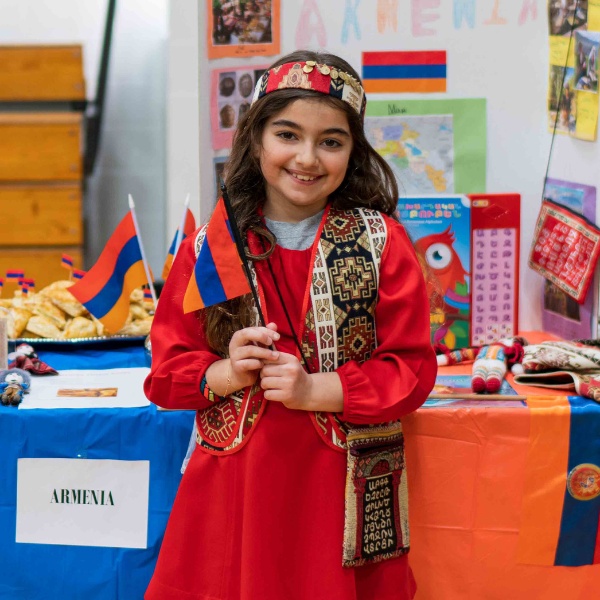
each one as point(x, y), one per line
point(454, 389)
point(495, 242)
point(459, 386)
point(562, 315)
point(440, 228)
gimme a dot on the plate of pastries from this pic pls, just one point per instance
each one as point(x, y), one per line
point(53, 314)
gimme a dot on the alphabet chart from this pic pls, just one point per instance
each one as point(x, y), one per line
point(495, 238)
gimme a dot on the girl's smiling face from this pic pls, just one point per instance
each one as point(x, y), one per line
point(304, 154)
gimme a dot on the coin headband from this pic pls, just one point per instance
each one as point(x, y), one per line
point(310, 75)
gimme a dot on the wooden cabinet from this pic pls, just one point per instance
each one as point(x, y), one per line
point(41, 156)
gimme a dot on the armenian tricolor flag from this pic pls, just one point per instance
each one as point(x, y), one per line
point(218, 274)
point(66, 261)
point(78, 273)
point(421, 72)
point(1, 285)
point(561, 505)
point(14, 275)
point(189, 226)
point(105, 289)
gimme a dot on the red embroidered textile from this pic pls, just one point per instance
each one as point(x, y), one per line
point(267, 522)
point(565, 249)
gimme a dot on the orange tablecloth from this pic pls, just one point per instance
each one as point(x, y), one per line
point(467, 469)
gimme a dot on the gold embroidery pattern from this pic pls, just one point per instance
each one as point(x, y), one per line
point(344, 296)
point(296, 78)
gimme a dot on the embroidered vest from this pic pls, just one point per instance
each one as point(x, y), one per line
point(339, 325)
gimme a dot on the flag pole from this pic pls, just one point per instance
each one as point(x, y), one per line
point(241, 251)
point(179, 237)
point(144, 261)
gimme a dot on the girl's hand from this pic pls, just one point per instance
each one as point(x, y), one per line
point(249, 348)
point(284, 380)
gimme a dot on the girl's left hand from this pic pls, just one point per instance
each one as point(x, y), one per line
point(284, 380)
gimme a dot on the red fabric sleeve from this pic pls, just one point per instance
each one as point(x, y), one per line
point(180, 353)
point(401, 372)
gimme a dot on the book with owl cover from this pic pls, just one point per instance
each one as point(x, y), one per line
point(440, 228)
point(495, 242)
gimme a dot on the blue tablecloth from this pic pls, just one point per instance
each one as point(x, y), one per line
point(36, 571)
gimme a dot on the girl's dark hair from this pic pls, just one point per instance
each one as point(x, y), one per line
point(369, 181)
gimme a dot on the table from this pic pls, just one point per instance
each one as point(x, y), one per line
point(36, 571)
point(467, 472)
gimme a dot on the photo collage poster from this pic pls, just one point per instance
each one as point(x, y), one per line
point(574, 29)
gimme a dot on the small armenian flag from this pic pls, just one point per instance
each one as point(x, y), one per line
point(419, 71)
point(14, 275)
point(66, 261)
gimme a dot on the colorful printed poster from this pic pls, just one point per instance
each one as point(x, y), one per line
point(562, 314)
point(242, 28)
point(433, 146)
point(440, 227)
point(413, 71)
point(231, 93)
point(565, 249)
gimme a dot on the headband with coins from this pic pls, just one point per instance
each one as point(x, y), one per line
point(311, 75)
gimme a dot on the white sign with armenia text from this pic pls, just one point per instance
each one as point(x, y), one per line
point(79, 502)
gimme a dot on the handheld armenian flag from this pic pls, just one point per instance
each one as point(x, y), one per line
point(219, 273)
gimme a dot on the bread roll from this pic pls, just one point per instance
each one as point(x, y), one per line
point(80, 327)
point(43, 327)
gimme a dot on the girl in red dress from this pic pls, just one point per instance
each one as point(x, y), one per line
point(296, 488)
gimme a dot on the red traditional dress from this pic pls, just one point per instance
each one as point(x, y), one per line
point(266, 521)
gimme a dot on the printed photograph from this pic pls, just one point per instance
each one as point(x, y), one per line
point(562, 100)
point(559, 302)
point(218, 168)
point(231, 94)
point(586, 60)
point(565, 16)
point(243, 27)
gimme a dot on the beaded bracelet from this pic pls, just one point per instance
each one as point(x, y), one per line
point(209, 394)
